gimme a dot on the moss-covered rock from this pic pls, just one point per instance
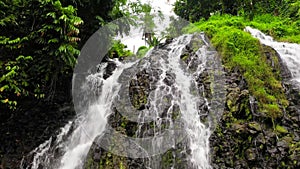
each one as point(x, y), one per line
point(256, 130)
point(139, 90)
point(248, 138)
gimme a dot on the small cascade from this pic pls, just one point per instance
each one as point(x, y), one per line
point(176, 91)
point(41, 155)
point(289, 52)
point(197, 132)
point(165, 94)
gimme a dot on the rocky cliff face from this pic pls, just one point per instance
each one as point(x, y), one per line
point(145, 81)
point(245, 138)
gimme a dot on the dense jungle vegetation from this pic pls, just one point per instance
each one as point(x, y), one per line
point(40, 41)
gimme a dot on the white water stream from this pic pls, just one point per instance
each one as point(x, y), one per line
point(92, 123)
point(289, 52)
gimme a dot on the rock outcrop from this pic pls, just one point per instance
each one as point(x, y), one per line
point(140, 85)
point(245, 138)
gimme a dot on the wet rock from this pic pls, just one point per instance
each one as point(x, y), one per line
point(296, 137)
point(254, 125)
point(261, 138)
point(97, 157)
point(185, 56)
point(239, 127)
point(281, 129)
point(168, 41)
point(282, 145)
point(276, 62)
point(169, 79)
point(111, 66)
point(139, 90)
point(272, 150)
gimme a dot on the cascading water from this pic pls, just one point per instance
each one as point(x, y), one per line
point(177, 84)
point(175, 88)
point(197, 132)
point(87, 126)
point(289, 52)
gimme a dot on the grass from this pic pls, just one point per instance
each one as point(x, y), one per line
point(239, 50)
point(282, 29)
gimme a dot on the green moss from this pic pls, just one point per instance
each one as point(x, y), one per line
point(139, 99)
point(239, 50)
point(255, 126)
point(283, 164)
point(167, 159)
point(89, 163)
point(282, 29)
point(185, 57)
point(281, 129)
point(272, 110)
point(122, 166)
point(195, 44)
point(110, 161)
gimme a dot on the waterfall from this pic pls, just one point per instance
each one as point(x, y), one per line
point(180, 88)
point(93, 121)
point(174, 87)
point(289, 52)
point(197, 132)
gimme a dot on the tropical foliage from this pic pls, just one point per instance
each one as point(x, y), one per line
point(41, 39)
point(119, 50)
point(194, 10)
point(38, 45)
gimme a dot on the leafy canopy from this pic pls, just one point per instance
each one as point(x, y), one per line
point(38, 44)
